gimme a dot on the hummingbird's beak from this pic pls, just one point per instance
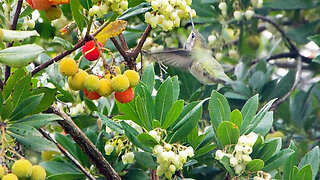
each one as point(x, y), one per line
point(191, 21)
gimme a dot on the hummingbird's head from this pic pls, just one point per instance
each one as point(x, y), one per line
point(195, 40)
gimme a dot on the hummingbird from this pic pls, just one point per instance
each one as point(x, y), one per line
point(196, 58)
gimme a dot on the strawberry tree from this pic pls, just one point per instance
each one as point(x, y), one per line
point(117, 89)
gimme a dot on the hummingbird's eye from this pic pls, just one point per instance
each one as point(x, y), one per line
point(192, 35)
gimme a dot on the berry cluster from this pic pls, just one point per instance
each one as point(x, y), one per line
point(238, 13)
point(95, 86)
point(170, 157)
point(240, 156)
point(168, 13)
point(117, 6)
point(23, 169)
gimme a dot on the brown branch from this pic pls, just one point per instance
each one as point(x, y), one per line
point(120, 49)
point(86, 145)
point(144, 36)
point(67, 154)
point(285, 55)
point(123, 42)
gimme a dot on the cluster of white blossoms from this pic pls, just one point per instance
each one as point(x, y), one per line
point(238, 14)
point(117, 6)
point(149, 45)
point(262, 176)
point(118, 146)
point(240, 156)
point(170, 157)
point(28, 23)
point(168, 13)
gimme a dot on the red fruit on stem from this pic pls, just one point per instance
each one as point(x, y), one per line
point(93, 95)
point(125, 96)
point(93, 52)
point(39, 4)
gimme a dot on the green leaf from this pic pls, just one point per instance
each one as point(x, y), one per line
point(277, 160)
point(1, 101)
point(84, 121)
point(148, 77)
point(268, 150)
point(305, 173)
point(134, 173)
point(265, 124)
point(21, 90)
point(145, 159)
point(54, 167)
point(143, 113)
point(129, 111)
point(87, 4)
point(77, 15)
point(248, 111)
point(132, 3)
point(132, 136)
point(25, 107)
point(312, 158)
point(176, 88)
point(65, 44)
point(12, 35)
point(173, 114)
point(12, 80)
point(284, 85)
point(109, 123)
point(255, 165)
point(236, 117)
point(20, 56)
point(301, 33)
point(257, 118)
point(68, 144)
point(65, 96)
point(203, 150)
point(290, 4)
point(141, 8)
point(90, 104)
point(186, 122)
point(227, 133)
point(46, 101)
point(38, 120)
point(147, 140)
point(219, 109)
point(65, 176)
point(290, 163)
point(164, 100)
point(225, 161)
point(315, 39)
point(7, 108)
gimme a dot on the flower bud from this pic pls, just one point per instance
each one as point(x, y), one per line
point(168, 174)
point(242, 139)
point(238, 148)
point(183, 156)
point(190, 151)
point(108, 148)
point(249, 13)
point(172, 168)
point(167, 147)
point(219, 56)
point(246, 158)
point(233, 161)
point(157, 149)
point(219, 154)
point(222, 6)
point(130, 157)
point(258, 178)
point(247, 150)
point(237, 15)
point(239, 168)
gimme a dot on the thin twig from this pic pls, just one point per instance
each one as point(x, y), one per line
point(86, 145)
point(123, 42)
point(137, 50)
point(276, 104)
point(67, 154)
point(285, 55)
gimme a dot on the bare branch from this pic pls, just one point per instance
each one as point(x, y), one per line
point(136, 51)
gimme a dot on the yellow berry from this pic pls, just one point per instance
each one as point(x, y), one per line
point(68, 67)
point(105, 88)
point(70, 84)
point(10, 176)
point(116, 69)
point(133, 77)
point(3, 171)
point(77, 81)
point(48, 155)
point(22, 168)
point(53, 13)
point(38, 173)
point(91, 82)
point(120, 83)
point(1, 35)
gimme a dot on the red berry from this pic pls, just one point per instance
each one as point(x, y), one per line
point(93, 95)
point(92, 55)
point(125, 96)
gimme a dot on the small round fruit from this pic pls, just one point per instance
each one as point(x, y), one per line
point(91, 82)
point(22, 168)
point(38, 173)
point(125, 96)
point(39, 4)
point(68, 67)
point(77, 80)
point(53, 13)
point(275, 135)
point(3, 171)
point(48, 155)
point(90, 50)
point(105, 88)
point(120, 83)
point(133, 77)
point(93, 95)
point(253, 42)
point(1, 35)
point(10, 176)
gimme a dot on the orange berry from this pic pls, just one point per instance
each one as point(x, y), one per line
point(93, 95)
point(39, 4)
point(125, 96)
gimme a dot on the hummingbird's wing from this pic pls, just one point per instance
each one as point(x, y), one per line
point(179, 58)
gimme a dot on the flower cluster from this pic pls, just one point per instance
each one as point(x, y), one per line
point(170, 157)
point(120, 145)
point(240, 156)
point(117, 6)
point(262, 176)
point(168, 13)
